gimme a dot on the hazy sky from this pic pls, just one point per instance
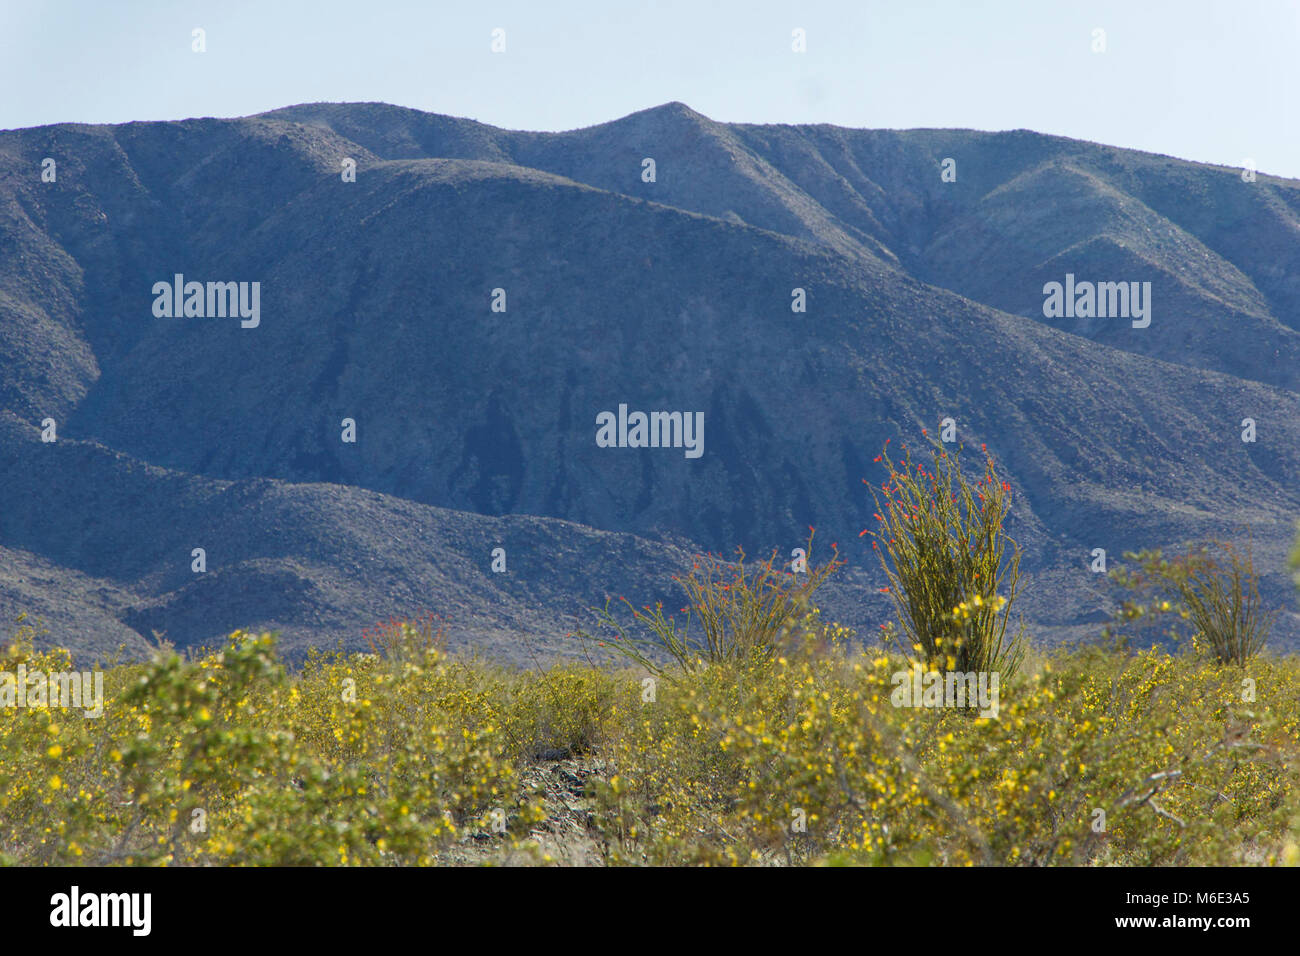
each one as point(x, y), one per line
point(1211, 81)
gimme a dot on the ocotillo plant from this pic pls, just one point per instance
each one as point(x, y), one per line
point(942, 543)
point(744, 610)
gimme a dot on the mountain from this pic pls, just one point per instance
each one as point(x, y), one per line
point(476, 428)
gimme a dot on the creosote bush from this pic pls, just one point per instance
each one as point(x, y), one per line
point(1096, 758)
point(230, 759)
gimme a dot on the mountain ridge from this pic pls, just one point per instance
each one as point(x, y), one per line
point(669, 294)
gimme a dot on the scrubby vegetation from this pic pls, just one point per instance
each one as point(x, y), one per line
point(743, 611)
point(765, 736)
point(1214, 589)
point(1096, 757)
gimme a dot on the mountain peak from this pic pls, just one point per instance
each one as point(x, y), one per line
point(674, 110)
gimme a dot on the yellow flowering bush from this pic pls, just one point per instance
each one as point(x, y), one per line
point(227, 760)
point(1095, 757)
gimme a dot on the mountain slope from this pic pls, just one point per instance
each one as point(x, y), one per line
point(923, 301)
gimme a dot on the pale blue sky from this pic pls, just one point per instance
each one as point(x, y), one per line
point(1211, 80)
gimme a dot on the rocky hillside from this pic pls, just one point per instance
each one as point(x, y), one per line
point(476, 427)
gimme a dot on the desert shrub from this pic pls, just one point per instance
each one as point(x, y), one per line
point(401, 640)
point(1223, 601)
point(1216, 591)
point(420, 751)
point(228, 760)
point(406, 779)
point(1094, 758)
point(54, 771)
point(1151, 760)
point(670, 794)
point(743, 612)
point(565, 710)
point(26, 632)
point(943, 546)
